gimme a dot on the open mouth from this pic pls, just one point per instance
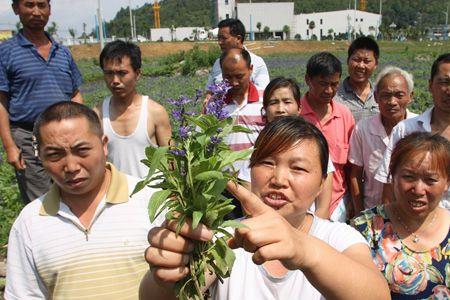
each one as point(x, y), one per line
point(275, 200)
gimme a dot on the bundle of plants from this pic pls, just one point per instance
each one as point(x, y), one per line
point(191, 176)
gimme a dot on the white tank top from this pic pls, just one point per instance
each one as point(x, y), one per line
point(126, 152)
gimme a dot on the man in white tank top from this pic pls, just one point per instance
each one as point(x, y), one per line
point(131, 121)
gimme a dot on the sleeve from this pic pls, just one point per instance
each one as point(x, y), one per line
point(382, 174)
point(4, 81)
point(261, 73)
point(215, 75)
point(355, 155)
point(77, 78)
point(22, 278)
point(344, 236)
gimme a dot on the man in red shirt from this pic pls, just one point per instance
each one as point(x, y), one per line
point(323, 73)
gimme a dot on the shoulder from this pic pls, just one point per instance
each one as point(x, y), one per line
point(65, 50)
point(338, 235)
point(366, 220)
point(27, 216)
point(156, 110)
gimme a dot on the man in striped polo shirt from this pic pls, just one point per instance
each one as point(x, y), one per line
point(86, 237)
point(243, 102)
point(35, 72)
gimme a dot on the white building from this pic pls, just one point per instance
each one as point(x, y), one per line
point(276, 15)
point(178, 34)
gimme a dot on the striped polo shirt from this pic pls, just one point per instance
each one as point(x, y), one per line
point(52, 256)
point(248, 114)
point(33, 83)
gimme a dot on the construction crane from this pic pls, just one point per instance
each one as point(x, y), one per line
point(362, 5)
point(156, 8)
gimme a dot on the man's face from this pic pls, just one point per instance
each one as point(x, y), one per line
point(393, 97)
point(73, 155)
point(440, 88)
point(361, 65)
point(322, 89)
point(235, 70)
point(227, 41)
point(120, 77)
point(33, 14)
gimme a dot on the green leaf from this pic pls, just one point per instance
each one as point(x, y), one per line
point(156, 158)
point(239, 128)
point(209, 175)
point(156, 201)
point(235, 156)
point(139, 186)
point(196, 217)
point(233, 224)
point(210, 217)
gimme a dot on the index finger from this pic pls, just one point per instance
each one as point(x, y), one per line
point(251, 203)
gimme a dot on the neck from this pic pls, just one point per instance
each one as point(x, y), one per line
point(80, 204)
point(37, 37)
point(240, 98)
point(126, 101)
point(440, 119)
point(359, 87)
point(416, 222)
point(320, 109)
point(389, 123)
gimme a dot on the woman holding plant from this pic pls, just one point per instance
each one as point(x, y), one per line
point(296, 255)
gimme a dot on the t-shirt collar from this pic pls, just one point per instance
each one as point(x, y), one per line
point(23, 41)
point(252, 96)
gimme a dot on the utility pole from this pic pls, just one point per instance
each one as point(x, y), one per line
point(100, 24)
point(446, 23)
point(131, 20)
point(381, 18)
point(251, 25)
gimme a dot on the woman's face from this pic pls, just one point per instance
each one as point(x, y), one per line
point(418, 188)
point(281, 103)
point(289, 181)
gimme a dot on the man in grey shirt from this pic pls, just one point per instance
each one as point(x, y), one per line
point(356, 91)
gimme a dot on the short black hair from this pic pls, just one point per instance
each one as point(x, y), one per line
point(15, 2)
point(323, 64)
point(366, 43)
point(119, 49)
point(244, 53)
point(236, 27)
point(67, 110)
point(442, 59)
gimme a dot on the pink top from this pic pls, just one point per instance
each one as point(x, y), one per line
point(337, 131)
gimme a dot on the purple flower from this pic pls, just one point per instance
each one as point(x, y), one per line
point(215, 140)
point(177, 115)
point(178, 152)
point(217, 108)
point(183, 132)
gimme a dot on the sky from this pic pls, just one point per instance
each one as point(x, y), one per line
point(71, 13)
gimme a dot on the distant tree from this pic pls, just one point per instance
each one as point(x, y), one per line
point(330, 34)
point(298, 37)
point(286, 31)
point(266, 31)
point(311, 26)
point(72, 33)
point(53, 28)
point(259, 25)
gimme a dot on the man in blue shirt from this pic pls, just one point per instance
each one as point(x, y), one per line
point(35, 72)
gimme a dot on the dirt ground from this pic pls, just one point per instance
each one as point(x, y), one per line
point(155, 49)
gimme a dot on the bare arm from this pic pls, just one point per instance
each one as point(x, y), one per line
point(76, 97)
point(13, 153)
point(324, 198)
point(356, 189)
point(163, 130)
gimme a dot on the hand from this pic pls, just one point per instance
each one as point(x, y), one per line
point(269, 235)
point(168, 254)
point(205, 101)
point(14, 157)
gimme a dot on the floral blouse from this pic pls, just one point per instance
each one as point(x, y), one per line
point(410, 274)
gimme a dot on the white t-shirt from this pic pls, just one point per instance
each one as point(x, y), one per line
point(252, 282)
point(260, 74)
point(367, 145)
point(421, 123)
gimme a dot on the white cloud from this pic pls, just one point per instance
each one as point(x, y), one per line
point(71, 13)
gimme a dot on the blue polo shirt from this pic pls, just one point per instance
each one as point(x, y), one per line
point(33, 83)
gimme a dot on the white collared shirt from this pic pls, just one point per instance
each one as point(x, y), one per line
point(367, 146)
point(260, 74)
point(421, 123)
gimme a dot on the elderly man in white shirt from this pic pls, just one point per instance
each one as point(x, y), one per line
point(232, 35)
point(393, 93)
point(435, 119)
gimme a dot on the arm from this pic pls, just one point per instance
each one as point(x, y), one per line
point(356, 188)
point(76, 97)
point(160, 119)
point(324, 198)
point(12, 151)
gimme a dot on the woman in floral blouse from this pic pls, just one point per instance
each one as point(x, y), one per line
point(409, 237)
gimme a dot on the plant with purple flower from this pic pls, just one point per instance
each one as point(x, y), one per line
point(192, 174)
